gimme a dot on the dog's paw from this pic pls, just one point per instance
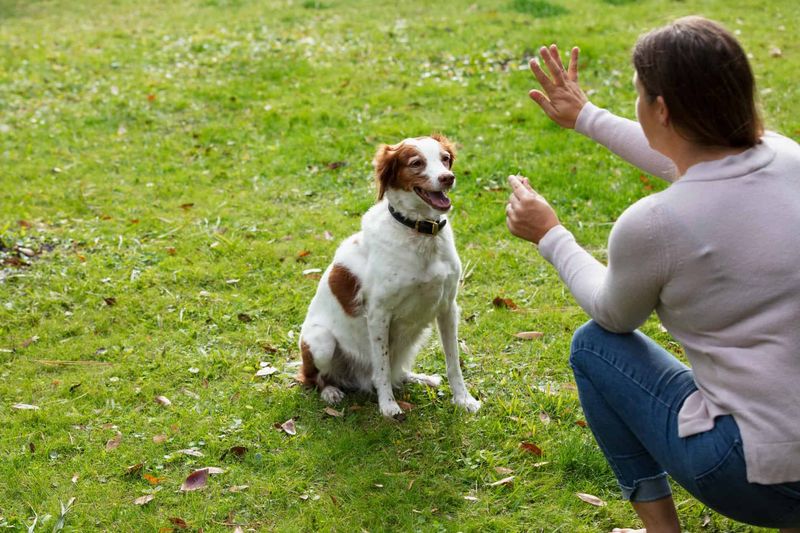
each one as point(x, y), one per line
point(392, 410)
point(467, 402)
point(331, 395)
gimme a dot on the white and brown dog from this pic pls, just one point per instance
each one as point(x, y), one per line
point(377, 300)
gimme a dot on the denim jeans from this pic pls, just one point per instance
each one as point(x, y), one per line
point(631, 390)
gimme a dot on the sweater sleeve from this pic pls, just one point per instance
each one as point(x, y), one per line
point(625, 138)
point(621, 296)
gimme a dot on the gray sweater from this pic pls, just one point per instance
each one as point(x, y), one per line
point(717, 256)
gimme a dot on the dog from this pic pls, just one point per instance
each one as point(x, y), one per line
point(376, 302)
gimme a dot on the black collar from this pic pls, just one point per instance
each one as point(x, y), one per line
point(429, 227)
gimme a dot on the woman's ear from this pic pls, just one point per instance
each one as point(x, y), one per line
point(385, 163)
point(663, 111)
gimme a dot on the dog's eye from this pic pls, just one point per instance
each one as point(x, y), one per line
point(416, 163)
point(446, 158)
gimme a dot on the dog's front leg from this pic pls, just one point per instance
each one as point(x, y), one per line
point(378, 323)
point(447, 321)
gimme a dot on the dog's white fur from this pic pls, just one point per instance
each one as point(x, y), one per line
point(376, 302)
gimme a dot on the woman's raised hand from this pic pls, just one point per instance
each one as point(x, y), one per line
point(562, 99)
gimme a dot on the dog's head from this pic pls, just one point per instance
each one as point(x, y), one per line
point(416, 174)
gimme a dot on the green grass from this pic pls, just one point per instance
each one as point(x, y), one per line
point(115, 114)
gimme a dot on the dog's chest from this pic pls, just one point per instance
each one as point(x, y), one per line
point(420, 289)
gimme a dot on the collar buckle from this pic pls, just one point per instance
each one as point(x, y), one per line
point(431, 226)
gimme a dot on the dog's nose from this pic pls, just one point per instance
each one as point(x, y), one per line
point(447, 179)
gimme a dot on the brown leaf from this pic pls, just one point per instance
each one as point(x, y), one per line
point(171, 250)
point(503, 471)
point(153, 480)
point(336, 164)
point(244, 317)
point(529, 335)
point(110, 301)
point(32, 447)
point(159, 439)
point(592, 500)
point(180, 523)
point(238, 488)
point(142, 500)
point(237, 451)
point(405, 406)
point(28, 342)
point(151, 97)
point(581, 423)
point(114, 441)
point(504, 481)
point(507, 303)
point(531, 448)
point(163, 400)
point(333, 412)
point(134, 469)
point(196, 480)
point(187, 206)
point(191, 451)
point(289, 427)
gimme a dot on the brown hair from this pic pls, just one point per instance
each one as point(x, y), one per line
point(704, 77)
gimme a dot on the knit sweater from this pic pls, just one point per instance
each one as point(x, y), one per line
point(717, 256)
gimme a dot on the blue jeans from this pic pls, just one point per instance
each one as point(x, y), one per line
point(631, 390)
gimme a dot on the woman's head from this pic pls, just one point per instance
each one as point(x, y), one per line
point(705, 80)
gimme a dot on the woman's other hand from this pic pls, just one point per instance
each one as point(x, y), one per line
point(528, 215)
point(562, 99)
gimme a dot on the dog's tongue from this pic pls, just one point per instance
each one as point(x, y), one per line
point(439, 200)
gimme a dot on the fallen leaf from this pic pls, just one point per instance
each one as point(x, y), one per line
point(110, 301)
point(142, 500)
point(266, 371)
point(581, 423)
point(405, 406)
point(328, 235)
point(191, 451)
point(289, 427)
point(28, 342)
point(531, 448)
point(238, 451)
point(544, 417)
point(25, 406)
point(303, 253)
point(171, 250)
point(163, 400)
point(187, 206)
point(114, 441)
point(775, 52)
point(74, 478)
point(706, 521)
point(355, 407)
point(336, 164)
point(214, 470)
point(503, 471)
point(592, 500)
point(151, 97)
point(159, 439)
point(180, 523)
point(471, 498)
point(537, 465)
point(196, 480)
point(507, 303)
point(529, 335)
point(153, 480)
point(504, 481)
point(238, 488)
point(134, 469)
point(244, 317)
point(333, 412)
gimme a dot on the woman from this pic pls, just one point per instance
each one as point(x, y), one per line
point(716, 255)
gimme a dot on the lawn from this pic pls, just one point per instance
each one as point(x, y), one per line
point(172, 174)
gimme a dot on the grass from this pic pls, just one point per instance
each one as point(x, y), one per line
point(174, 168)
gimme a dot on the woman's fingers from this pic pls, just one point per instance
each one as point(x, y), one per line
point(572, 73)
point(556, 57)
point(554, 66)
point(541, 77)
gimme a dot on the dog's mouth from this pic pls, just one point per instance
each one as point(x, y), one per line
point(435, 199)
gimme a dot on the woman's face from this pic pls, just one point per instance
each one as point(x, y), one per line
point(647, 114)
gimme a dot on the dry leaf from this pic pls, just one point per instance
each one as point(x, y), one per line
point(592, 500)
point(163, 400)
point(214, 470)
point(244, 317)
point(581, 423)
point(508, 303)
point(25, 406)
point(153, 480)
point(187, 206)
point(544, 417)
point(180, 523)
point(289, 427)
point(503, 471)
point(504, 481)
point(333, 412)
point(471, 498)
point(196, 480)
point(238, 488)
point(158, 439)
point(266, 371)
point(238, 451)
point(114, 442)
point(191, 451)
point(134, 469)
point(531, 448)
point(529, 335)
point(147, 498)
point(537, 465)
point(775, 52)
point(405, 406)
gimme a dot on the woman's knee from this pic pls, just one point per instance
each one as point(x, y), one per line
point(589, 334)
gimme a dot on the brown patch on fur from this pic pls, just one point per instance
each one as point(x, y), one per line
point(345, 286)
point(392, 168)
point(308, 374)
point(448, 146)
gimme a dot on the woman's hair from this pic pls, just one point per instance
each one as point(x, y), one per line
point(704, 77)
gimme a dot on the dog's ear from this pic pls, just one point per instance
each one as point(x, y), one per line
point(385, 164)
point(447, 144)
